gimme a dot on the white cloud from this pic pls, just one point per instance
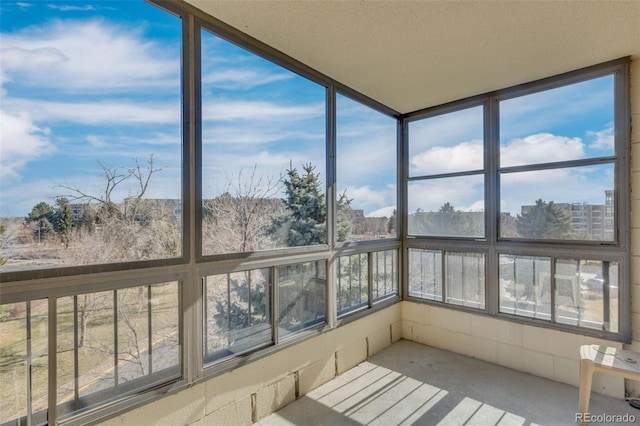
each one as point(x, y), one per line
point(258, 110)
point(71, 8)
point(541, 148)
point(91, 56)
point(462, 192)
point(22, 141)
point(24, 5)
point(386, 211)
point(98, 113)
point(603, 140)
point(242, 79)
point(96, 141)
point(443, 159)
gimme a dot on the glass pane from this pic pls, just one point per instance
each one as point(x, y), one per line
point(352, 282)
point(91, 134)
point(449, 207)
point(366, 172)
point(301, 299)
point(263, 153)
point(465, 279)
point(385, 273)
point(425, 274)
point(562, 124)
point(237, 312)
point(573, 203)
point(114, 343)
point(447, 143)
point(587, 293)
point(24, 362)
point(525, 286)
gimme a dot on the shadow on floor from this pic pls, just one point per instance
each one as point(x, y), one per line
point(409, 383)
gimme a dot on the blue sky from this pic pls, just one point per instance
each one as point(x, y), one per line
point(569, 123)
point(83, 82)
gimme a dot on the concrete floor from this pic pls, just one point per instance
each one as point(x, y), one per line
point(409, 383)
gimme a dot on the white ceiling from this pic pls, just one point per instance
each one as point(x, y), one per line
point(410, 55)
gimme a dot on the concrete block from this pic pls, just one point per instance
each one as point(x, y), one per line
point(351, 355)
point(566, 370)
point(397, 331)
point(236, 413)
point(485, 328)
point(536, 363)
point(274, 396)
point(225, 389)
point(635, 268)
point(635, 326)
point(407, 330)
point(416, 312)
point(510, 333)
point(609, 385)
point(378, 341)
point(484, 349)
point(308, 352)
point(452, 320)
point(183, 408)
point(453, 341)
point(316, 374)
point(632, 387)
point(552, 342)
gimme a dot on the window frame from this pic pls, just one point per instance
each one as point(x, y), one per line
point(617, 250)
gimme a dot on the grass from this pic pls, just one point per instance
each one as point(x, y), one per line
point(96, 357)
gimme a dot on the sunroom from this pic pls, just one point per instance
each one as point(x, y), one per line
point(209, 209)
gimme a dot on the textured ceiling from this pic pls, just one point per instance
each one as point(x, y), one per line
point(410, 55)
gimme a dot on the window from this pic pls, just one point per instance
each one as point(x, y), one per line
point(523, 193)
point(263, 153)
point(561, 135)
point(445, 190)
point(366, 172)
point(237, 313)
point(91, 135)
point(301, 296)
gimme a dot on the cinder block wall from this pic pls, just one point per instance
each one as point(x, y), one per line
point(251, 392)
point(540, 351)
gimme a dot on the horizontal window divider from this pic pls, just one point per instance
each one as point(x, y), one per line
point(582, 251)
point(566, 328)
point(68, 272)
point(15, 292)
point(238, 265)
point(361, 313)
point(264, 254)
point(559, 165)
point(446, 175)
point(344, 249)
point(449, 244)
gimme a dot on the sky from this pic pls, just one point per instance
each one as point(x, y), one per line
point(569, 123)
point(89, 85)
point(96, 84)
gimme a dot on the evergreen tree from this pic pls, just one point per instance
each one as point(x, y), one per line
point(391, 226)
point(343, 219)
point(43, 214)
point(305, 221)
point(63, 221)
point(544, 220)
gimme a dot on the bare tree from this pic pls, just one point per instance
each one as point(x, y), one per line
point(237, 220)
